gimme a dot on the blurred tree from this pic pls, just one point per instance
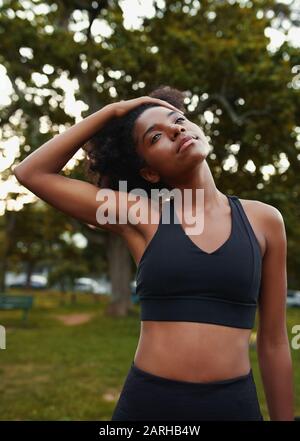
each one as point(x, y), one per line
point(243, 93)
point(7, 227)
point(43, 238)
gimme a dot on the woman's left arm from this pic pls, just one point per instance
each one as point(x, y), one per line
point(273, 347)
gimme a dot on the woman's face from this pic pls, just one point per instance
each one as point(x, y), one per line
point(158, 133)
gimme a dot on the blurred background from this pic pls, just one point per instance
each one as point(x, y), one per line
point(68, 307)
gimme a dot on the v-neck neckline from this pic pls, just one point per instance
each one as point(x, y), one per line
point(193, 243)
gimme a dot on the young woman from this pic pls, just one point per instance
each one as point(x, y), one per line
point(198, 293)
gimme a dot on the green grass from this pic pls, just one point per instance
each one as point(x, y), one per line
point(50, 371)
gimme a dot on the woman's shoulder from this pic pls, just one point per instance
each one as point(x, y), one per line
point(269, 216)
point(267, 210)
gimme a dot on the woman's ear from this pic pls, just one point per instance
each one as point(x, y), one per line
point(150, 175)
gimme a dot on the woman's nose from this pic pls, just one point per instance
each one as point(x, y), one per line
point(177, 129)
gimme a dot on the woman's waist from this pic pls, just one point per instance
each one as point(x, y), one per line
point(186, 332)
point(193, 351)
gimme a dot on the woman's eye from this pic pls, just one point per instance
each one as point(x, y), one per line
point(158, 133)
point(154, 138)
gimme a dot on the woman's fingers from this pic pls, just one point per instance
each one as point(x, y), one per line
point(161, 102)
point(123, 106)
point(165, 103)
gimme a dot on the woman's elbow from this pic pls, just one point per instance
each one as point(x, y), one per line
point(17, 171)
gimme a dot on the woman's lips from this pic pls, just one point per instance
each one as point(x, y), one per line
point(185, 145)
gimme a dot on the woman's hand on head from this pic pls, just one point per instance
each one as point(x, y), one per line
point(120, 108)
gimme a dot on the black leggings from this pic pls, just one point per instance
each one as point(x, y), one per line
point(148, 397)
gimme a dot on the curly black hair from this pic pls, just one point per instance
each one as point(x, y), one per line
point(112, 154)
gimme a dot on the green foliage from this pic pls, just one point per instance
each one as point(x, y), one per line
point(43, 237)
point(215, 50)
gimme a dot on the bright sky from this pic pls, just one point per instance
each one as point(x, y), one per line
point(133, 9)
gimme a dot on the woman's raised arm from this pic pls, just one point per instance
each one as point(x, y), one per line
point(39, 171)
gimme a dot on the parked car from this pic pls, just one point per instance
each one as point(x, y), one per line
point(87, 284)
point(293, 298)
point(101, 286)
point(37, 281)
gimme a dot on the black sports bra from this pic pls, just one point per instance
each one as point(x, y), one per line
point(177, 281)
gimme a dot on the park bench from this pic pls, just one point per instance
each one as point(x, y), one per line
point(9, 302)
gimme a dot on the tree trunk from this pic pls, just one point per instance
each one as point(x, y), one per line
point(29, 270)
point(9, 225)
point(120, 272)
point(63, 293)
point(73, 298)
point(3, 269)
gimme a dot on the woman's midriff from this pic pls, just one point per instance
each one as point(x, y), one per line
point(197, 352)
